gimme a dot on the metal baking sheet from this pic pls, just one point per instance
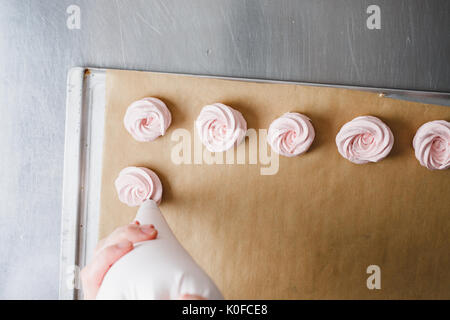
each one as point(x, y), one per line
point(83, 149)
point(85, 106)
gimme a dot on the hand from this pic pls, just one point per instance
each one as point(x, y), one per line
point(109, 250)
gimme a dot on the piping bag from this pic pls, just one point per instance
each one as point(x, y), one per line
point(156, 269)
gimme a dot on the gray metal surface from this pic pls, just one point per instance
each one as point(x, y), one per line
point(309, 40)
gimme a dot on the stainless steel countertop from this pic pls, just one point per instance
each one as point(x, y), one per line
point(309, 40)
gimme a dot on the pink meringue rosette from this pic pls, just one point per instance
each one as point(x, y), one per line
point(291, 134)
point(220, 127)
point(432, 145)
point(364, 139)
point(147, 119)
point(135, 185)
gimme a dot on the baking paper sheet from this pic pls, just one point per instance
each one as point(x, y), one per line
point(310, 230)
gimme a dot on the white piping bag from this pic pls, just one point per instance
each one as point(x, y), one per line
point(156, 269)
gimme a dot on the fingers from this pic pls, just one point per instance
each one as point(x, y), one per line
point(92, 275)
point(136, 233)
point(132, 232)
point(111, 249)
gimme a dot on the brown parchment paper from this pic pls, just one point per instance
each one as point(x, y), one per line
point(309, 231)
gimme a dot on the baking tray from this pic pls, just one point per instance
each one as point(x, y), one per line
point(85, 106)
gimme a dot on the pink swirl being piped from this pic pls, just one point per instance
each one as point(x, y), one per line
point(135, 185)
point(220, 127)
point(432, 145)
point(291, 134)
point(147, 119)
point(364, 139)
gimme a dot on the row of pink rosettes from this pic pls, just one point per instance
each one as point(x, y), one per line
point(362, 140)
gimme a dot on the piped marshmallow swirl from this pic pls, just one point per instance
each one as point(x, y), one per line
point(135, 185)
point(364, 139)
point(432, 145)
point(147, 119)
point(220, 127)
point(291, 134)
